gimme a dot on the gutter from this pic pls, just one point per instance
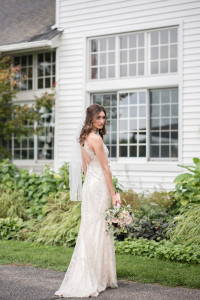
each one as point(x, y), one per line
point(53, 43)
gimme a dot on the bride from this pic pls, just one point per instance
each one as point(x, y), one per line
point(92, 268)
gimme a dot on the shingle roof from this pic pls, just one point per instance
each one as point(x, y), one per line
point(26, 21)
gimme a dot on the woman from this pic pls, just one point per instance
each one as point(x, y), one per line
point(92, 268)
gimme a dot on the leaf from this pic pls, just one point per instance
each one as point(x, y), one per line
point(182, 177)
point(196, 198)
point(183, 201)
point(195, 160)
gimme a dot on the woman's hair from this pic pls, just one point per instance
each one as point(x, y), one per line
point(91, 112)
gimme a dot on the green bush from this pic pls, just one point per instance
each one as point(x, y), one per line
point(59, 225)
point(9, 227)
point(35, 188)
point(13, 204)
point(166, 250)
point(188, 185)
point(186, 226)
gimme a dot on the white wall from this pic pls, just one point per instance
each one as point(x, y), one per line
point(80, 19)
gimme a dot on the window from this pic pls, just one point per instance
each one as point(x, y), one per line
point(24, 148)
point(127, 134)
point(24, 77)
point(132, 124)
point(38, 147)
point(163, 49)
point(46, 69)
point(103, 58)
point(164, 123)
point(132, 54)
point(45, 139)
point(43, 63)
point(151, 52)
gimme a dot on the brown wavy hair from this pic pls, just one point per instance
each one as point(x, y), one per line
point(91, 112)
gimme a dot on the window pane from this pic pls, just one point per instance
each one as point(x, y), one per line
point(154, 53)
point(133, 98)
point(132, 40)
point(94, 45)
point(103, 59)
point(103, 43)
point(132, 70)
point(123, 71)
point(123, 42)
point(111, 58)
point(123, 98)
point(103, 72)
point(123, 137)
point(111, 43)
point(133, 151)
point(154, 67)
point(123, 151)
point(111, 72)
point(154, 38)
point(132, 56)
point(94, 59)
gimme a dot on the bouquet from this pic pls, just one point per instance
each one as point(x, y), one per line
point(119, 218)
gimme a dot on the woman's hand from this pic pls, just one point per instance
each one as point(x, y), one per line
point(116, 199)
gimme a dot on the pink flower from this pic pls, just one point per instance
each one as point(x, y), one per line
point(115, 220)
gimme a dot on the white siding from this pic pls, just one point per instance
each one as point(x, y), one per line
point(82, 18)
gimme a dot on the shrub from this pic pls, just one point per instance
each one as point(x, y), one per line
point(188, 185)
point(186, 226)
point(166, 250)
point(59, 225)
point(13, 204)
point(9, 227)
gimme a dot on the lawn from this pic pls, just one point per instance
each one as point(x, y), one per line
point(129, 267)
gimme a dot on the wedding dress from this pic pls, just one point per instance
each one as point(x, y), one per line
point(92, 268)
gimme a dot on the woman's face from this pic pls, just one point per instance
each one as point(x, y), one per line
point(99, 121)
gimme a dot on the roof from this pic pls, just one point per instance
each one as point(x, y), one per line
point(26, 21)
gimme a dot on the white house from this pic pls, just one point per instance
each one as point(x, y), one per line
point(141, 61)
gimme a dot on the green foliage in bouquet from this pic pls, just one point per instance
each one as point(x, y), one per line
point(188, 185)
point(166, 250)
point(117, 186)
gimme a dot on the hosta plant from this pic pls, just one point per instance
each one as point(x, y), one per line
point(188, 185)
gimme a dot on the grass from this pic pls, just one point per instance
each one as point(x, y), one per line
point(129, 267)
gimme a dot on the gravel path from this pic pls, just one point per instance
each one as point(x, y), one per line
point(27, 283)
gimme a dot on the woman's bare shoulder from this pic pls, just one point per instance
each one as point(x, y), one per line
point(94, 139)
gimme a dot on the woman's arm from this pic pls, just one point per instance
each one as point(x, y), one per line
point(97, 144)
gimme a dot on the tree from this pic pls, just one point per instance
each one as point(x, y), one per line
point(13, 117)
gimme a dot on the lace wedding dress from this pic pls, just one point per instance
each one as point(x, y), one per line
point(92, 268)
